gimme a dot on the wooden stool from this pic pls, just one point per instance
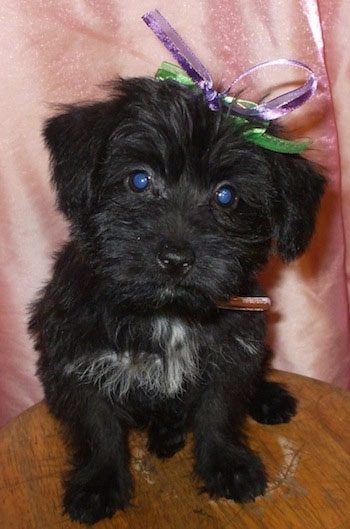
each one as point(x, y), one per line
point(307, 460)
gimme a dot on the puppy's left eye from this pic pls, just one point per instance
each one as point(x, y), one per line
point(226, 196)
point(139, 182)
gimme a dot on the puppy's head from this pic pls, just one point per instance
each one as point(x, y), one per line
point(168, 200)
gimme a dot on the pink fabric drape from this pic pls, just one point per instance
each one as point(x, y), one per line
point(59, 52)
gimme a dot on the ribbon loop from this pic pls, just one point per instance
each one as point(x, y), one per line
point(285, 103)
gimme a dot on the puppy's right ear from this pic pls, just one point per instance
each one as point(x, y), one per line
point(75, 139)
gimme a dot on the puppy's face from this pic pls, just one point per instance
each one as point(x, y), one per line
point(182, 205)
point(169, 201)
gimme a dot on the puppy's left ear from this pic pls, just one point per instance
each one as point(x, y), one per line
point(299, 191)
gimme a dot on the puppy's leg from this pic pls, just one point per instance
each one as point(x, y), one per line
point(227, 466)
point(167, 431)
point(272, 403)
point(100, 481)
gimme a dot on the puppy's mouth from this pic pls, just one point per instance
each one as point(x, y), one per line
point(180, 295)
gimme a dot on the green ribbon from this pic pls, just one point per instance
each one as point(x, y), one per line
point(256, 134)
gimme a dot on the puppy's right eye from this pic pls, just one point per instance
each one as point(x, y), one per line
point(139, 182)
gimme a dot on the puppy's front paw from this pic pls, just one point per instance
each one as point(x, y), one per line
point(239, 480)
point(272, 404)
point(88, 503)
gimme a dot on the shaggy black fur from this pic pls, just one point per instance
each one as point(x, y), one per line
point(171, 210)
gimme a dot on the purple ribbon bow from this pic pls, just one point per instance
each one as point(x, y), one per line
point(273, 109)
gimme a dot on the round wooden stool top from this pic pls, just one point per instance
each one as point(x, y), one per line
point(307, 460)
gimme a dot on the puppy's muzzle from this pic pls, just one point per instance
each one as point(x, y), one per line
point(175, 257)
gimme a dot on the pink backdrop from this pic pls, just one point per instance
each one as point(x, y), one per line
point(54, 52)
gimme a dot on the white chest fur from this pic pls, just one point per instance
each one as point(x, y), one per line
point(116, 373)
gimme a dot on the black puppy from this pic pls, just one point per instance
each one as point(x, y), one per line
point(172, 212)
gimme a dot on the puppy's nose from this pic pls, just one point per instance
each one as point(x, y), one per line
point(175, 258)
